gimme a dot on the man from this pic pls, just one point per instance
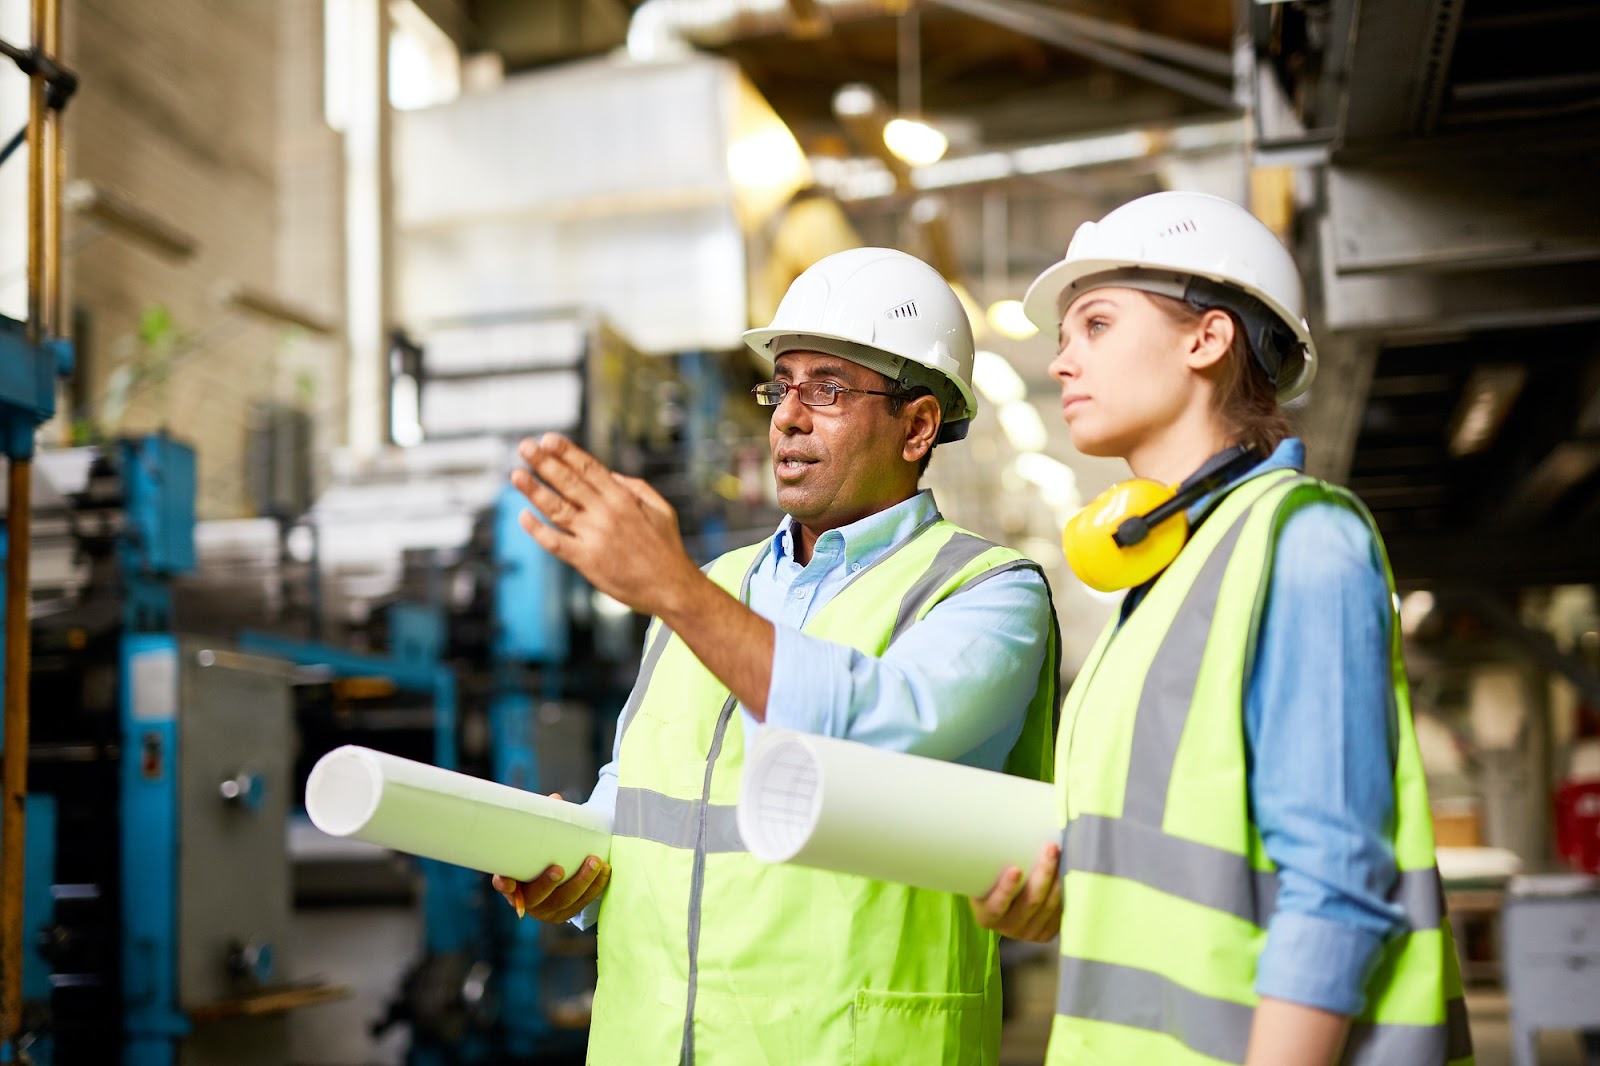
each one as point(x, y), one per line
point(866, 616)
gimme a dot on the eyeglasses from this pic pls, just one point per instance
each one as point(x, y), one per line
point(811, 393)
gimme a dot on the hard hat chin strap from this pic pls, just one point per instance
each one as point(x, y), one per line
point(1271, 343)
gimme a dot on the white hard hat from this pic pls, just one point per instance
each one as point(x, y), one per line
point(891, 313)
point(1200, 248)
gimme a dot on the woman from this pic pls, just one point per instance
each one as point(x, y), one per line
point(1248, 869)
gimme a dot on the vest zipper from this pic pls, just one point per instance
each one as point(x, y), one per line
point(697, 875)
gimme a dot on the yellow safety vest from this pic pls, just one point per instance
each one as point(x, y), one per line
point(1168, 888)
point(710, 957)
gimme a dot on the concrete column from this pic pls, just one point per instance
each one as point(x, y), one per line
point(369, 222)
point(313, 372)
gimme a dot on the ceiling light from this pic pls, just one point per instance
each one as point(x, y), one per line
point(1054, 479)
point(1023, 427)
point(1485, 403)
point(1007, 318)
point(996, 379)
point(768, 157)
point(968, 304)
point(854, 99)
point(1415, 607)
point(915, 142)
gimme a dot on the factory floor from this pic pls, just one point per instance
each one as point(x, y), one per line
point(367, 948)
point(1033, 997)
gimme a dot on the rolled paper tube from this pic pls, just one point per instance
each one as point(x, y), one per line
point(439, 814)
point(846, 807)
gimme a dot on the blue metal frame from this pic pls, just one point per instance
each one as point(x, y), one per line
point(149, 843)
point(158, 484)
point(28, 376)
point(530, 590)
point(38, 910)
point(413, 667)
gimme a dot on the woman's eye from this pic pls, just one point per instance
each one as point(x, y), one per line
point(1096, 325)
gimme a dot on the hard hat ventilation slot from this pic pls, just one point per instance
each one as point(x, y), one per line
point(905, 310)
point(1186, 226)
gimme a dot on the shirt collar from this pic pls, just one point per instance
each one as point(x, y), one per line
point(868, 539)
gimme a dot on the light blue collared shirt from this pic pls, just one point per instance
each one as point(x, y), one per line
point(955, 686)
point(1320, 737)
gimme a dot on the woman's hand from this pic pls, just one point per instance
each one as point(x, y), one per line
point(1024, 910)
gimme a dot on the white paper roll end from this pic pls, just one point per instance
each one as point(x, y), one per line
point(343, 790)
point(780, 799)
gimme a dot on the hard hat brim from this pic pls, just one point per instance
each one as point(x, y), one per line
point(1041, 300)
point(760, 342)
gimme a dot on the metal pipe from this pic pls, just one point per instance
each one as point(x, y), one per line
point(1042, 24)
point(55, 159)
point(14, 767)
point(1187, 53)
point(14, 760)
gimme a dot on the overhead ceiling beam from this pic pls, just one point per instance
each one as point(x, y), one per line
point(1051, 26)
point(1512, 559)
point(451, 17)
point(1537, 645)
point(1462, 208)
point(1542, 488)
point(1400, 304)
point(1397, 68)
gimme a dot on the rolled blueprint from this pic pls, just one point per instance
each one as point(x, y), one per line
point(438, 814)
point(842, 806)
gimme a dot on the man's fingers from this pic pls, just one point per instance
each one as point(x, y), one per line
point(562, 900)
point(557, 508)
point(549, 538)
point(642, 491)
point(568, 469)
point(535, 892)
point(595, 889)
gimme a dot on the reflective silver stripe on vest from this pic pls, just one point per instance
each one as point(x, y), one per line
point(641, 684)
point(697, 873)
point(1142, 999)
point(675, 822)
point(1169, 687)
point(906, 619)
point(1186, 869)
point(1126, 995)
point(1211, 876)
point(1371, 1044)
point(1420, 894)
point(952, 556)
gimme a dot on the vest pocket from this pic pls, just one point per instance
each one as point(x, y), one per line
point(925, 1028)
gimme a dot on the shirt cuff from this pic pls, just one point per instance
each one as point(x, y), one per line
point(1317, 963)
point(586, 918)
point(806, 685)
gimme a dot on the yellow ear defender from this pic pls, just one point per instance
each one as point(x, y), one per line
point(1135, 529)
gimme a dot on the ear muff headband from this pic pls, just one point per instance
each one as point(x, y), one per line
point(1136, 528)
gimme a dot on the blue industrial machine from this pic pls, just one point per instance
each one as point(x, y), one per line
point(29, 370)
point(494, 665)
point(163, 763)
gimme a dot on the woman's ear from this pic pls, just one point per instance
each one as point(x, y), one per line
point(1210, 340)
